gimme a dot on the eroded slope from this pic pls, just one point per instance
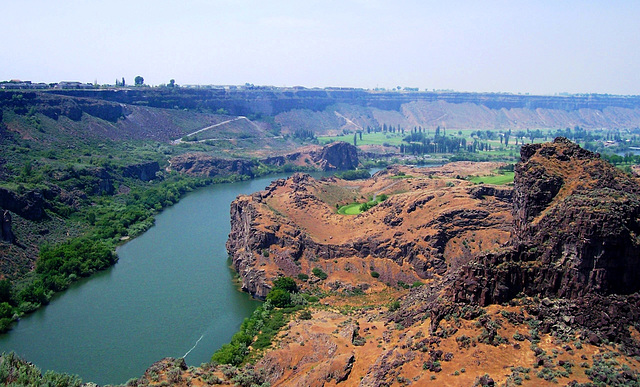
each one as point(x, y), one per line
point(430, 221)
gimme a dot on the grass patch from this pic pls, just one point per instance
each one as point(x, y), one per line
point(500, 179)
point(401, 177)
point(356, 208)
point(378, 138)
point(350, 209)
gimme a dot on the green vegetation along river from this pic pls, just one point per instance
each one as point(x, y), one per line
point(171, 294)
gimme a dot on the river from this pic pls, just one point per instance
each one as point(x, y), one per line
point(171, 294)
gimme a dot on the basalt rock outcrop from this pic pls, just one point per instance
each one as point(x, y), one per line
point(338, 155)
point(425, 227)
point(576, 226)
point(30, 205)
point(506, 110)
point(142, 171)
point(574, 242)
point(6, 233)
point(57, 106)
point(198, 164)
point(335, 156)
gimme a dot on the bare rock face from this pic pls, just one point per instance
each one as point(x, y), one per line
point(142, 171)
point(339, 155)
point(30, 205)
point(6, 234)
point(576, 222)
point(335, 156)
point(197, 164)
point(244, 240)
point(104, 184)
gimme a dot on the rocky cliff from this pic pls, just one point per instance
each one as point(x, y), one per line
point(335, 156)
point(56, 106)
point(574, 241)
point(6, 233)
point(338, 155)
point(576, 227)
point(30, 205)
point(273, 101)
point(143, 171)
point(199, 164)
point(425, 226)
point(315, 109)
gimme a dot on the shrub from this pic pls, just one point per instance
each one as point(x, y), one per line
point(285, 283)
point(305, 315)
point(298, 299)
point(375, 274)
point(5, 324)
point(354, 175)
point(319, 273)
point(311, 298)
point(232, 353)
point(517, 336)
point(279, 298)
point(303, 277)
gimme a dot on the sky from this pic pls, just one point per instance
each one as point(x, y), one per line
point(537, 47)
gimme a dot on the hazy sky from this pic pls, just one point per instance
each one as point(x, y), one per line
point(540, 47)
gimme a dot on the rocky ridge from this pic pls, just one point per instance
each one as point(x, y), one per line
point(335, 156)
point(425, 226)
point(576, 222)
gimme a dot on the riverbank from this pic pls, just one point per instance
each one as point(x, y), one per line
point(171, 287)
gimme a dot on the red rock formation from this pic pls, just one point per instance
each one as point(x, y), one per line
point(428, 226)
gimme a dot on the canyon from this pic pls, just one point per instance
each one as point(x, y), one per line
point(478, 284)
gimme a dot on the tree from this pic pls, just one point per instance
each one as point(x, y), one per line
point(172, 83)
point(285, 283)
point(279, 298)
point(139, 81)
point(6, 291)
point(123, 84)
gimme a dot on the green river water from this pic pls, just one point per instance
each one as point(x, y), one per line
point(171, 294)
